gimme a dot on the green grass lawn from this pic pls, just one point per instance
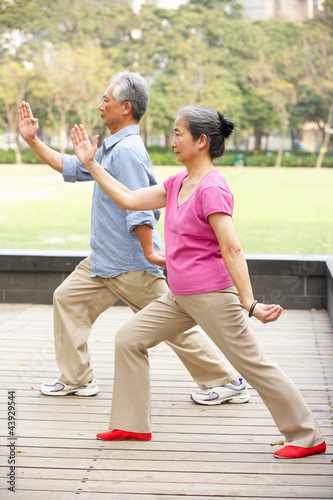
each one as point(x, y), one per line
point(286, 210)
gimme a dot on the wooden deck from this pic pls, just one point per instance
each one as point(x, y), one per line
point(196, 452)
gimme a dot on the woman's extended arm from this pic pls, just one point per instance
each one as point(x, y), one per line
point(235, 262)
point(149, 198)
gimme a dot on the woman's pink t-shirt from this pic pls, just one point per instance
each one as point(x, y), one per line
point(193, 256)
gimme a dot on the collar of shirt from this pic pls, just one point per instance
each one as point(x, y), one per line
point(118, 136)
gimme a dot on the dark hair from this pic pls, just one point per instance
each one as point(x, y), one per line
point(204, 120)
point(133, 88)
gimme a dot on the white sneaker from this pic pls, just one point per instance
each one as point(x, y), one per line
point(58, 388)
point(228, 393)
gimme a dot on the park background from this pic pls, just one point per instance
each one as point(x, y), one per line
point(269, 70)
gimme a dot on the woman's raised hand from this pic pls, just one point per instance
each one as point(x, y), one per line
point(84, 149)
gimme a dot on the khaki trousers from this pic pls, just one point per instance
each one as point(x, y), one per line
point(80, 299)
point(222, 317)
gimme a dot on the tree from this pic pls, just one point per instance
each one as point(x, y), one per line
point(318, 51)
point(91, 67)
point(277, 73)
point(309, 108)
point(231, 8)
point(14, 83)
point(193, 72)
point(259, 116)
point(201, 53)
point(56, 21)
point(52, 90)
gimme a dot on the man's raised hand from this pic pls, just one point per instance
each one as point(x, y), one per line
point(27, 124)
point(84, 149)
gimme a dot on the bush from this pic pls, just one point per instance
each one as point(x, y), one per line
point(7, 156)
point(163, 158)
point(305, 161)
point(259, 161)
point(297, 161)
point(159, 156)
point(156, 149)
point(226, 160)
point(29, 156)
point(328, 162)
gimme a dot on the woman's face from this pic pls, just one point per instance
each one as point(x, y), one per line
point(183, 144)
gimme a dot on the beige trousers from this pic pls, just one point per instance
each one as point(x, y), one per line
point(222, 317)
point(80, 299)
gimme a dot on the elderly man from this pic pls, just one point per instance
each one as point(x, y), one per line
point(126, 260)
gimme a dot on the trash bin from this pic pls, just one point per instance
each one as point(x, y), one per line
point(239, 160)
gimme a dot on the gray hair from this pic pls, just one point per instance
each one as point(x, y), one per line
point(133, 88)
point(204, 120)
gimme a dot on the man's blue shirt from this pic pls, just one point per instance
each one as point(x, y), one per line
point(115, 248)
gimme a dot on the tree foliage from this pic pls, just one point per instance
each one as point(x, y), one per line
point(60, 55)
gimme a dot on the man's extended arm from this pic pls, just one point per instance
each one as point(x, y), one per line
point(28, 126)
point(145, 236)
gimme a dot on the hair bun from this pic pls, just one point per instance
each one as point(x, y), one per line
point(226, 126)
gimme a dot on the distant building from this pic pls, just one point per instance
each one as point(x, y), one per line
point(289, 10)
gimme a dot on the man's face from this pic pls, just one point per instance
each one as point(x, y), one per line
point(111, 112)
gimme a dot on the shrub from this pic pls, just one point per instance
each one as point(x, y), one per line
point(159, 156)
point(7, 156)
point(163, 158)
point(296, 161)
point(29, 156)
point(328, 162)
point(227, 159)
point(259, 161)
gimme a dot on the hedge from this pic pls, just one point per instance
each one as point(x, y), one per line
point(161, 157)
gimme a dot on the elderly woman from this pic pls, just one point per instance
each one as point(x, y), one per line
point(209, 285)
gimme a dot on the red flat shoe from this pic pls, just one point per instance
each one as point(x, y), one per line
point(117, 435)
point(299, 452)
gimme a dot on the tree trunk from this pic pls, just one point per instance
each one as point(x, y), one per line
point(258, 135)
point(167, 142)
point(247, 139)
point(18, 156)
point(295, 139)
point(326, 140)
point(280, 153)
point(63, 139)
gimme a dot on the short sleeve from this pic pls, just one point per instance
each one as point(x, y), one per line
point(166, 183)
point(217, 199)
point(174, 181)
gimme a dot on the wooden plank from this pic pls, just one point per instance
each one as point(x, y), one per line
point(202, 418)
point(90, 429)
point(41, 495)
point(161, 408)
point(233, 450)
point(209, 463)
point(166, 488)
point(215, 476)
point(199, 417)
